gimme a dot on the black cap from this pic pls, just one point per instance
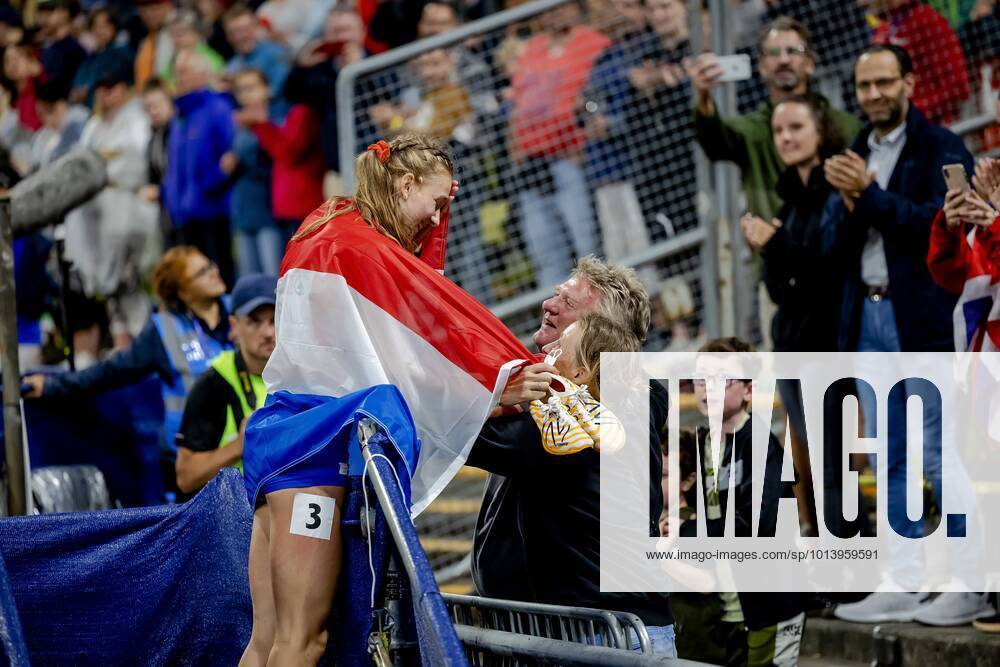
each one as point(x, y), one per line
point(253, 291)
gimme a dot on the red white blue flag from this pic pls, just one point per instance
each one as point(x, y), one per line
point(354, 310)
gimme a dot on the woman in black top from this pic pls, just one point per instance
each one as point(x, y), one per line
point(802, 279)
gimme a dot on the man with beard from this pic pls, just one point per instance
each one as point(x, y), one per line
point(787, 62)
point(507, 529)
point(891, 185)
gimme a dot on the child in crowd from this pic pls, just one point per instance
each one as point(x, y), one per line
point(736, 628)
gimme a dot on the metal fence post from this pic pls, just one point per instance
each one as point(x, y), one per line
point(743, 287)
point(709, 212)
point(14, 447)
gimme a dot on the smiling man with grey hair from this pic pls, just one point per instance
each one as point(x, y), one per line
point(500, 565)
point(609, 289)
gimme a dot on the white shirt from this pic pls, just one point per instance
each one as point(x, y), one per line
point(882, 160)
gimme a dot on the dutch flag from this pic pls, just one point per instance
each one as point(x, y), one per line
point(355, 310)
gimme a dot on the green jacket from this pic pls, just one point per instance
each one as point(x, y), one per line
point(746, 141)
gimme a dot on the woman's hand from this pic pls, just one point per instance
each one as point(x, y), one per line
point(986, 179)
point(977, 211)
point(757, 232)
point(954, 203)
point(529, 384)
point(961, 206)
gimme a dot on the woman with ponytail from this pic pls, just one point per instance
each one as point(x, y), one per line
point(364, 326)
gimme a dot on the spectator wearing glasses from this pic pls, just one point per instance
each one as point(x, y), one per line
point(787, 63)
point(754, 629)
point(891, 185)
point(941, 76)
point(190, 328)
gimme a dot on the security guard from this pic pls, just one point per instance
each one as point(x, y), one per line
point(220, 402)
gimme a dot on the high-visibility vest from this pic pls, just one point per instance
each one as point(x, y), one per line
point(250, 393)
point(190, 350)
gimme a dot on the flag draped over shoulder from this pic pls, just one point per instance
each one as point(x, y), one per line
point(354, 310)
point(977, 313)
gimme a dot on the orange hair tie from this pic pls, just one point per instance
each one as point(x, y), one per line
point(381, 150)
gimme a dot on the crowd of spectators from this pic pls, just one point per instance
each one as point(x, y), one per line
point(573, 135)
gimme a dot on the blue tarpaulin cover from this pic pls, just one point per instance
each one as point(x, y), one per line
point(168, 585)
point(152, 586)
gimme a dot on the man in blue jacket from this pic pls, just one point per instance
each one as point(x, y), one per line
point(892, 187)
point(196, 190)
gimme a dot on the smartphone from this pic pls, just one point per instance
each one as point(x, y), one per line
point(955, 177)
point(734, 68)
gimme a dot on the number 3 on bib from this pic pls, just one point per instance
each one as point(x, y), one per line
point(312, 515)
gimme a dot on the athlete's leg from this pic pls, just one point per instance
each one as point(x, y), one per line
point(262, 635)
point(304, 572)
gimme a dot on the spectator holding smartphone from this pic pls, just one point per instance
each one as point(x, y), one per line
point(957, 254)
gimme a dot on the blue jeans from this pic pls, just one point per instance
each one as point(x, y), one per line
point(259, 251)
point(879, 334)
point(552, 225)
point(661, 639)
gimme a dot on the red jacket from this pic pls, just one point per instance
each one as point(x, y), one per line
point(938, 60)
point(298, 169)
point(951, 259)
point(954, 259)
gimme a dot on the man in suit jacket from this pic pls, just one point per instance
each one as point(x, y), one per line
point(892, 187)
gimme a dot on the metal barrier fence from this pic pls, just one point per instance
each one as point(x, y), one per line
point(572, 625)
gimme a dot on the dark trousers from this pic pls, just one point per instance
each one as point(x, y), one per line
point(213, 238)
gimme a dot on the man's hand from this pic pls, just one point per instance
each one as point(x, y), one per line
point(954, 202)
point(704, 72)
point(37, 384)
point(644, 78)
point(671, 74)
point(529, 384)
point(757, 232)
point(848, 173)
point(978, 212)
